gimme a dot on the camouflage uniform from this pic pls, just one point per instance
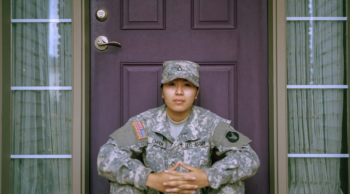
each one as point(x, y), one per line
point(149, 133)
point(160, 151)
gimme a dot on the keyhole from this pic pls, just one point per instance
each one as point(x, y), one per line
point(101, 14)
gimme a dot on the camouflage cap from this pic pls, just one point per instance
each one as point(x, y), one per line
point(180, 69)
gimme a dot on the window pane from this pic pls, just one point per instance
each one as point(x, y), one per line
point(317, 121)
point(317, 117)
point(317, 125)
point(316, 53)
point(41, 122)
point(41, 176)
point(318, 175)
point(42, 54)
point(316, 8)
point(41, 115)
point(41, 9)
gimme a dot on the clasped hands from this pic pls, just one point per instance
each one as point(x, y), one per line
point(172, 181)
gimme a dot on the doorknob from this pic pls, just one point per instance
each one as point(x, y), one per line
point(101, 43)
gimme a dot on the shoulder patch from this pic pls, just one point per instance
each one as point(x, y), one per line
point(139, 130)
point(228, 137)
point(130, 134)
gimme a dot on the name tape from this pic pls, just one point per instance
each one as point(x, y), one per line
point(156, 142)
point(198, 144)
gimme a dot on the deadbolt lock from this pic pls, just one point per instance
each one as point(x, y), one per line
point(101, 15)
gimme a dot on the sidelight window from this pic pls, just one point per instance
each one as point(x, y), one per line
point(316, 78)
point(41, 96)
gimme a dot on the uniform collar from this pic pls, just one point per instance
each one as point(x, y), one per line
point(162, 126)
point(190, 132)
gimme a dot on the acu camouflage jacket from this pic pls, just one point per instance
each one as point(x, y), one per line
point(203, 132)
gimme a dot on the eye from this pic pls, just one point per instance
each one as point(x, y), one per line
point(171, 84)
point(188, 85)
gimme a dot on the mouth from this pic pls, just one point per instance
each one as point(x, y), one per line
point(179, 101)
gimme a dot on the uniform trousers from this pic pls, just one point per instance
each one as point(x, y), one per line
point(224, 189)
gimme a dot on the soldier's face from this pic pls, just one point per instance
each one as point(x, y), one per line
point(179, 95)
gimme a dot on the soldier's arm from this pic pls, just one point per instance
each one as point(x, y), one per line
point(115, 160)
point(240, 162)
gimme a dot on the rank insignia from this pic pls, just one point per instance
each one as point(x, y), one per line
point(139, 129)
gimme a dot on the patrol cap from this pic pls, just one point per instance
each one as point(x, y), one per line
point(180, 69)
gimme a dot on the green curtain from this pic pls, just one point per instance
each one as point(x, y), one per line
point(41, 56)
point(315, 56)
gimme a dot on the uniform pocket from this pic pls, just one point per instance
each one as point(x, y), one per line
point(155, 154)
point(197, 157)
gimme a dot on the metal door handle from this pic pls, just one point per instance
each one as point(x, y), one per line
point(101, 43)
point(117, 44)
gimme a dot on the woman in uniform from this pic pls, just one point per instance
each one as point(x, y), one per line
point(176, 141)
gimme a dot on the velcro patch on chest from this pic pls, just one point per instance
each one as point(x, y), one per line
point(139, 130)
point(156, 142)
point(197, 144)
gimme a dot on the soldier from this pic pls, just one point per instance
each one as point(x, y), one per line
point(176, 141)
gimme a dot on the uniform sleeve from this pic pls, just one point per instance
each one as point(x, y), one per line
point(240, 162)
point(115, 160)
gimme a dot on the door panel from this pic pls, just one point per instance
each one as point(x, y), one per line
point(145, 15)
point(208, 14)
point(218, 89)
point(227, 38)
point(141, 88)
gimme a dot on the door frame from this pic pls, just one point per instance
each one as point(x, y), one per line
point(277, 68)
point(80, 95)
point(5, 95)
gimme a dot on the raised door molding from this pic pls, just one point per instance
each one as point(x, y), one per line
point(141, 88)
point(146, 16)
point(212, 15)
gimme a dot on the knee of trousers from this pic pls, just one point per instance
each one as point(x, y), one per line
point(234, 188)
point(124, 189)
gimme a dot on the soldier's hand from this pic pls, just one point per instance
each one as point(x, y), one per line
point(180, 181)
point(156, 180)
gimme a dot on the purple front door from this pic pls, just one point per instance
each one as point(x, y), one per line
point(228, 38)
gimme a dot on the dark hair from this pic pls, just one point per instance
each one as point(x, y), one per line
point(161, 86)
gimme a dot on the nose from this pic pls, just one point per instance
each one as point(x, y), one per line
point(179, 90)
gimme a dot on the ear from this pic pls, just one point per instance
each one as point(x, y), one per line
point(197, 93)
point(162, 94)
